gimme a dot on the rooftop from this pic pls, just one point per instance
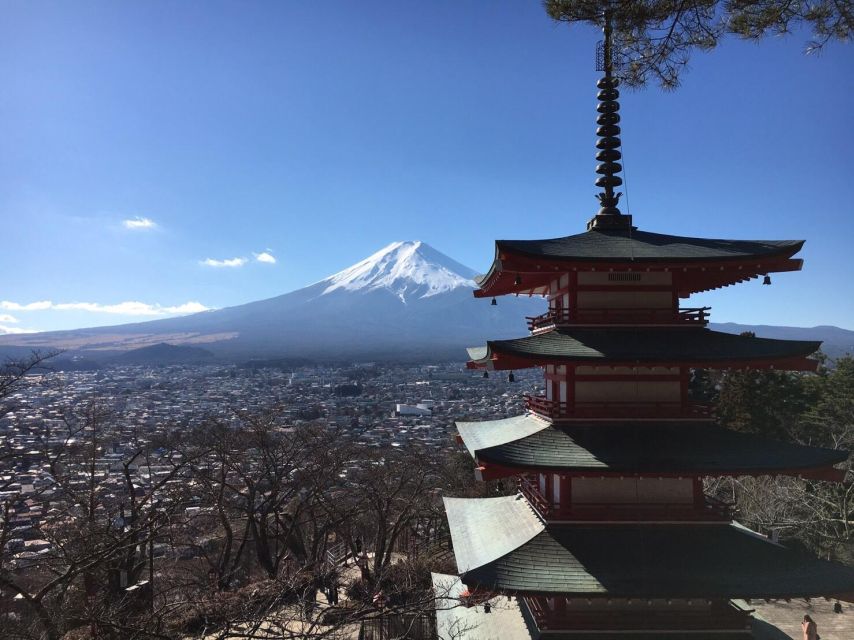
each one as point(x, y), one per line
point(672, 447)
point(641, 345)
point(643, 246)
point(631, 560)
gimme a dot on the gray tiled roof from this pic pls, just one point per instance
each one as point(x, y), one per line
point(484, 529)
point(493, 433)
point(644, 344)
point(622, 244)
point(668, 447)
point(711, 561)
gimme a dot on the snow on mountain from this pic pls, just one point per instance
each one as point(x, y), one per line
point(407, 300)
point(407, 269)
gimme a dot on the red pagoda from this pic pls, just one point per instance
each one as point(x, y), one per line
point(611, 534)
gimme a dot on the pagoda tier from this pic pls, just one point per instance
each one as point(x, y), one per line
point(501, 545)
point(691, 264)
point(538, 618)
point(621, 346)
point(527, 443)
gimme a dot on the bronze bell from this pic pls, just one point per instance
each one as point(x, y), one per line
point(766, 280)
point(494, 302)
point(486, 374)
point(511, 377)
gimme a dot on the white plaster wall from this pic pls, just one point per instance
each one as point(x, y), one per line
point(625, 300)
point(655, 278)
point(631, 391)
point(609, 371)
point(632, 491)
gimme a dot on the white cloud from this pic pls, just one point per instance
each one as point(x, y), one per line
point(4, 330)
point(129, 308)
point(265, 257)
point(229, 262)
point(31, 306)
point(5, 317)
point(139, 223)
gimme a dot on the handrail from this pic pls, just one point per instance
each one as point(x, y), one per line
point(646, 618)
point(531, 491)
point(619, 315)
point(336, 554)
point(557, 410)
point(710, 509)
point(643, 511)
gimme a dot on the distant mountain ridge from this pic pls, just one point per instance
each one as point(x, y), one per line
point(164, 353)
point(406, 301)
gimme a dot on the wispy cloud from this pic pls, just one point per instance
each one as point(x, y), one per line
point(129, 308)
point(7, 330)
point(229, 262)
point(41, 305)
point(5, 317)
point(266, 257)
point(139, 223)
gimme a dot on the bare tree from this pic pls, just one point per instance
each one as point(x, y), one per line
point(97, 526)
point(14, 370)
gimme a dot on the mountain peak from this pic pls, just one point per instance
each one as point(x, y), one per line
point(410, 269)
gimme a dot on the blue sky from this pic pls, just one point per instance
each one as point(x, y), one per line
point(313, 133)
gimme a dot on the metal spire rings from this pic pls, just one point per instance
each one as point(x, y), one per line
point(608, 131)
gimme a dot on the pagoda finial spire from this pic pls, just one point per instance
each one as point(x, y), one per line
point(609, 143)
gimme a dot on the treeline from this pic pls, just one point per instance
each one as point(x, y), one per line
point(810, 409)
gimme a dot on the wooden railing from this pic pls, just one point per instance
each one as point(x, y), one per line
point(718, 618)
point(528, 487)
point(560, 317)
point(712, 510)
point(556, 410)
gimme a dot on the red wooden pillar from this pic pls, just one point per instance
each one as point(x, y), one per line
point(699, 496)
point(570, 391)
point(684, 381)
point(573, 295)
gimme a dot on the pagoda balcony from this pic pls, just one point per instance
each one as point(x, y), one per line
point(712, 510)
point(720, 618)
point(694, 317)
point(557, 411)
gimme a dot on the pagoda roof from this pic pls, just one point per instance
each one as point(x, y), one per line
point(529, 442)
point(525, 266)
point(634, 345)
point(631, 560)
point(613, 245)
point(509, 520)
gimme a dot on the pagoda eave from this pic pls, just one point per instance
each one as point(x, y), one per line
point(486, 470)
point(498, 361)
point(648, 346)
point(523, 275)
point(528, 443)
point(476, 587)
point(523, 555)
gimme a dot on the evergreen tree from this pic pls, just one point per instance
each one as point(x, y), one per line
point(656, 37)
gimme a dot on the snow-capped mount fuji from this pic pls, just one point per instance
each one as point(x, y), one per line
point(406, 301)
point(407, 269)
